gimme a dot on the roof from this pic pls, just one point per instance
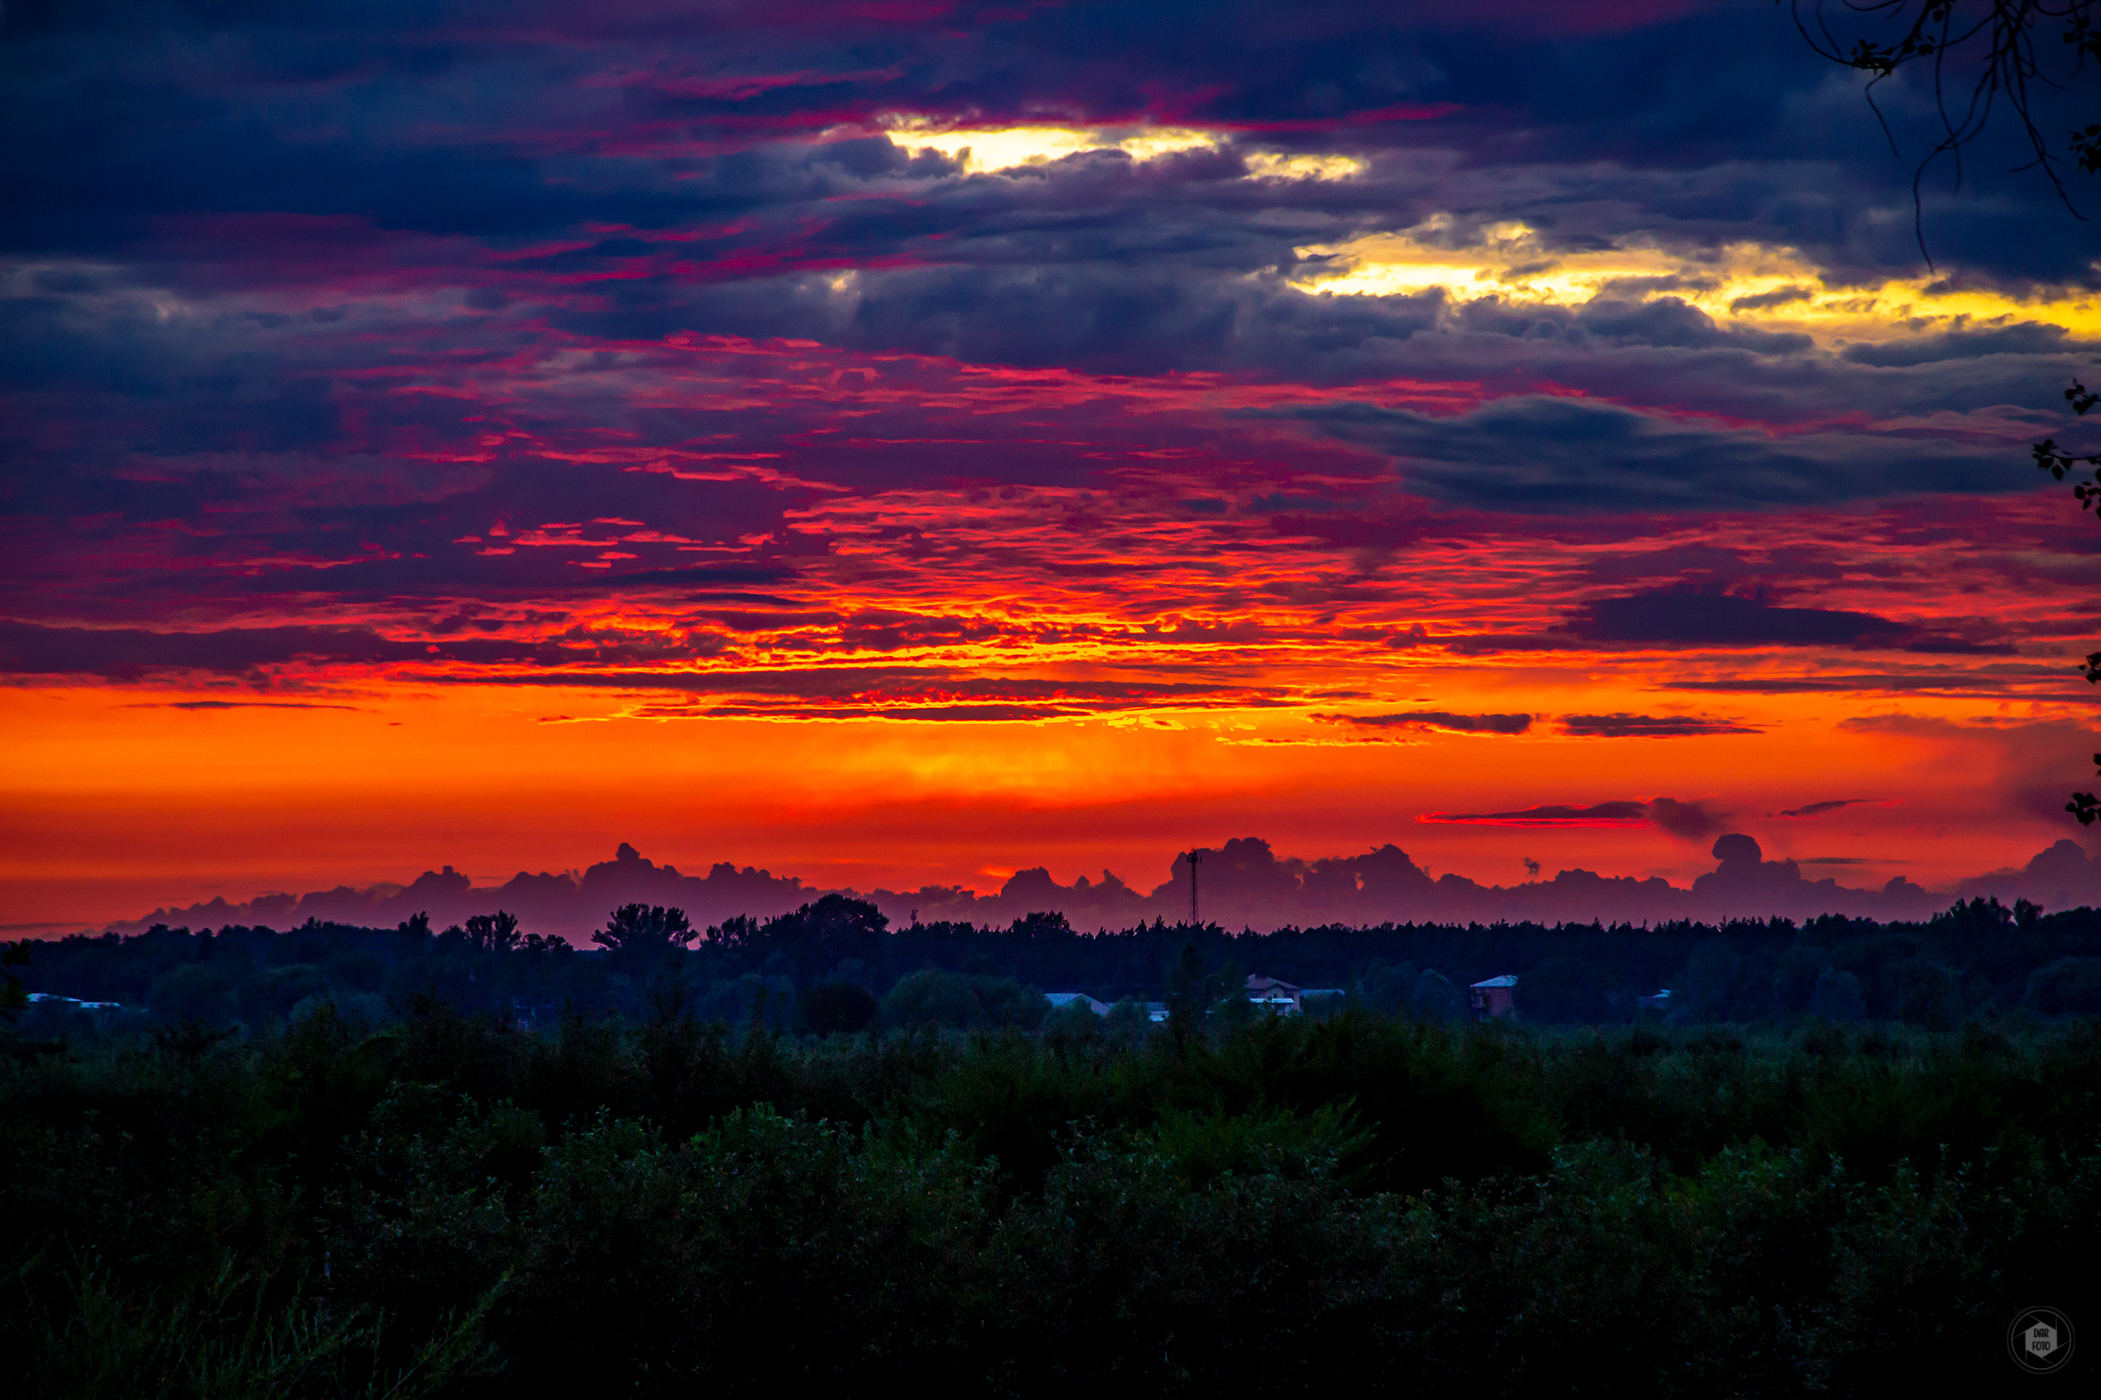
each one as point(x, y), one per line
point(1058, 999)
point(1506, 980)
point(76, 1001)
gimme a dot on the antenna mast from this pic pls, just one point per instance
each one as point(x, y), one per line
point(1194, 858)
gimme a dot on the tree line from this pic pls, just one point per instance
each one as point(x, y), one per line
point(836, 965)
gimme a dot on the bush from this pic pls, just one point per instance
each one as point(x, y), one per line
point(952, 999)
point(1837, 997)
point(2067, 987)
point(836, 1007)
point(1436, 1000)
point(1927, 994)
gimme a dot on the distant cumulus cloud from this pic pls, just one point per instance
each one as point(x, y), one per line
point(1691, 821)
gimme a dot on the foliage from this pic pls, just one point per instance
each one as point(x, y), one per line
point(644, 931)
point(452, 1205)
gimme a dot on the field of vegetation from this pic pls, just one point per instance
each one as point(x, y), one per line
point(382, 1165)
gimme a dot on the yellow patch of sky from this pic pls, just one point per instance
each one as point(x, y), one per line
point(1773, 286)
point(989, 150)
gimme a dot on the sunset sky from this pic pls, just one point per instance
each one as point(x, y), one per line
point(904, 442)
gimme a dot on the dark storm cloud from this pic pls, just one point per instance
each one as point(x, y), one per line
point(1536, 455)
point(1682, 618)
point(2028, 339)
point(315, 294)
point(1713, 567)
point(516, 124)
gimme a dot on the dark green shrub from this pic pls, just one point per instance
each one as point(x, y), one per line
point(831, 1008)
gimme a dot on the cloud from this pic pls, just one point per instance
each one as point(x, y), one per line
point(134, 653)
point(1436, 719)
point(1683, 618)
point(1597, 814)
point(1999, 680)
point(240, 705)
point(1690, 821)
point(1529, 454)
point(1818, 809)
point(1625, 726)
point(1766, 301)
point(635, 351)
point(872, 692)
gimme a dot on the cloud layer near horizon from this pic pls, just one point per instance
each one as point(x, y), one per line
point(1243, 884)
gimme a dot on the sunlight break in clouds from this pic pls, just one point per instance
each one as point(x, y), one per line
point(992, 150)
point(1767, 286)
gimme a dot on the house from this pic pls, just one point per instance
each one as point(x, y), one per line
point(1272, 995)
point(1284, 998)
point(1059, 1000)
point(1495, 998)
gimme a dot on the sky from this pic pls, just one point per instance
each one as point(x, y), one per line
point(896, 443)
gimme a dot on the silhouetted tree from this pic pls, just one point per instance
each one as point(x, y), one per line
point(645, 931)
point(2060, 463)
point(2000, 50)
point(493, 933)
point(821, 935)
point(12, 996)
